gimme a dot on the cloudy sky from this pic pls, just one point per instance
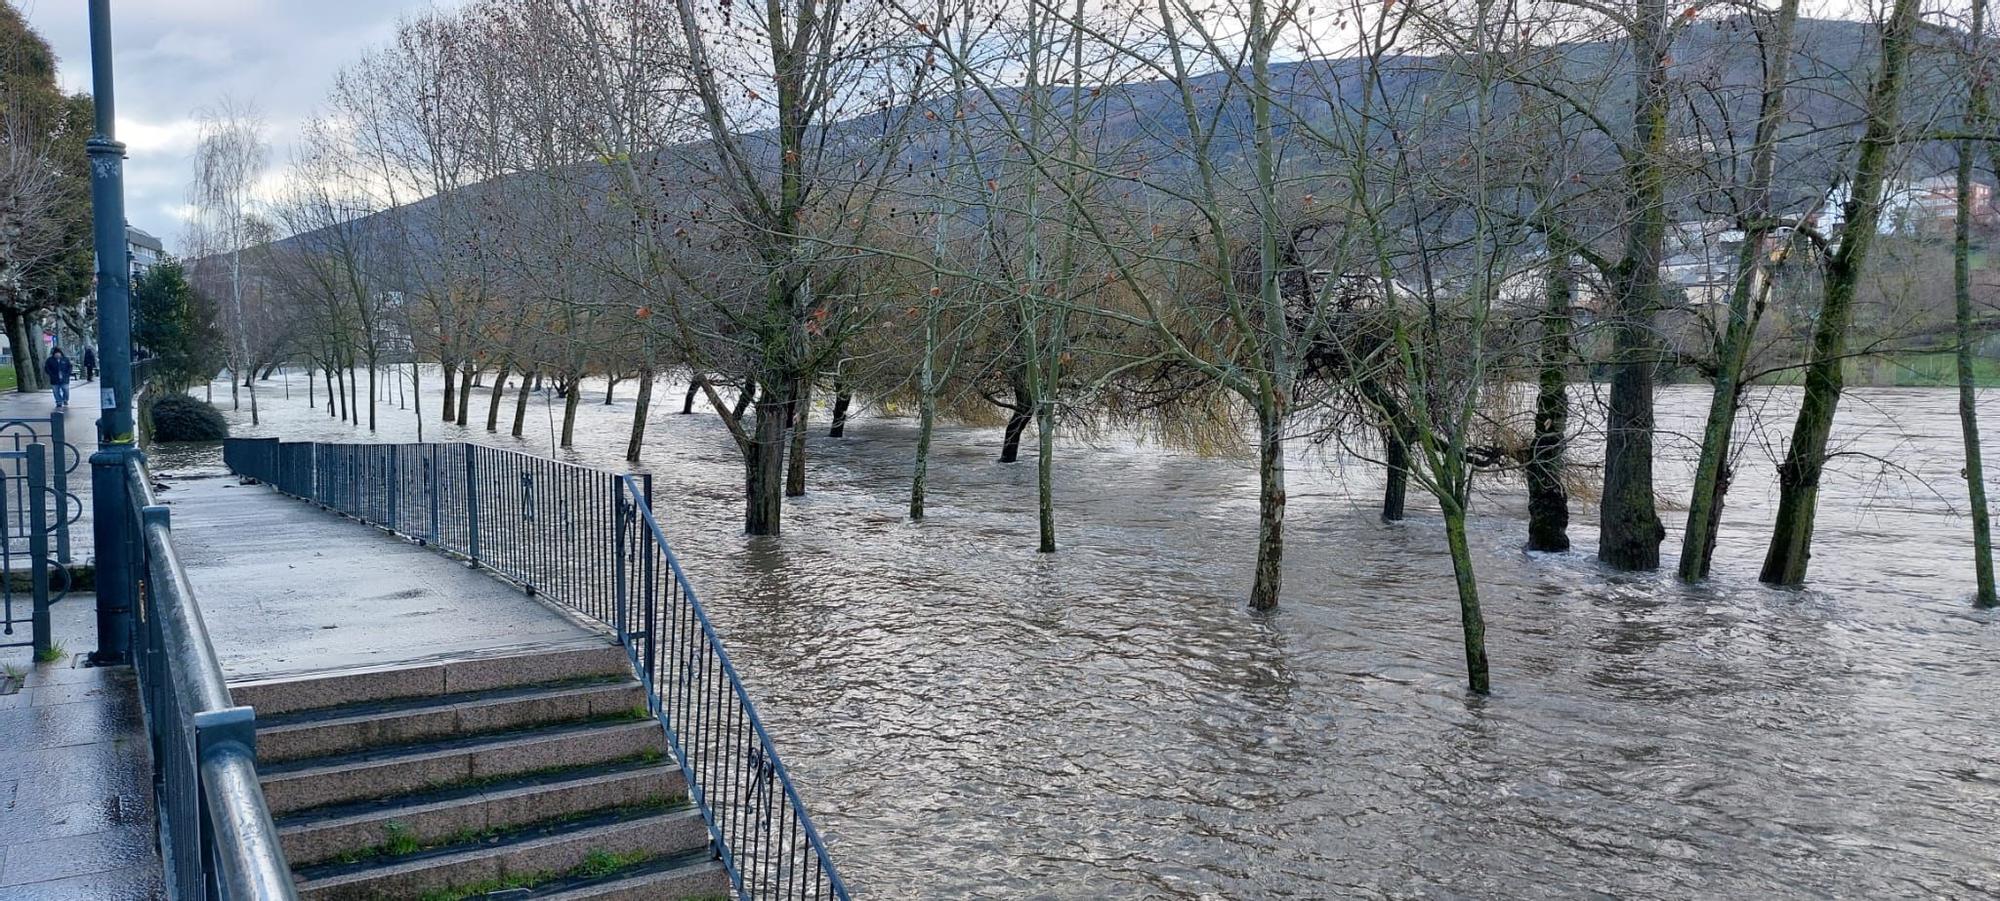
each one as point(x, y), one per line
point(176, 56)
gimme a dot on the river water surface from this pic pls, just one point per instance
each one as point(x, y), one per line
point(970, 719)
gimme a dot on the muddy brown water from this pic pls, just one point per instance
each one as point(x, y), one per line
point(967, 718)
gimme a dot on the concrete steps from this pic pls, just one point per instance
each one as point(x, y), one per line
point(537, 774)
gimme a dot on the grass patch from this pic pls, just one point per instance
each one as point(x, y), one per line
point(8, 379)
point(596, 864)
point(50, 654)
point(400, 841)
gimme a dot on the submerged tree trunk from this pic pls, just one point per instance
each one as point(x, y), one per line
point(1018, 417)
point(744, 399)
point(645, 402)
point(417, 391)
point(1270, 512)
point(1976, 116)
point(610, 388)
point(1629, 528)
point(1472, 621)
point(842, 399)
point(493, 402)
point(572, 393)
point(312, 396)
point(450, 392)
point(1805, 458)
point(1548, 500)
point(694, 388)
point(795, 466)
point(1712, 470)
point(521, 401)
point(1395, 474)
point(926, 415)
point(764, 466)
point(465, 390)
point(341, 375)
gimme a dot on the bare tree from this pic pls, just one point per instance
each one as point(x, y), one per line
point(229, 156)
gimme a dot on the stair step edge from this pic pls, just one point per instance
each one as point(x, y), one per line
point(677, 819)
point(485, 742)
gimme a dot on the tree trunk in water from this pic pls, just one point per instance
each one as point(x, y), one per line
point(1712, 470)
point(235, 388)
point(1395, 473)
point(1471, 620)
point(842, 400)
point(521, 401)
point(371, 396)
point(795, 466)
point(312, 397)
point(744, 399)
point(1548, 500)
point(493, 402)
point(465, 390)
point(1270, 512)
point(571, 395)
point(353, 394)
point(1629, 528)
point(926, 418)
point(341, 374)
point(610, 389)
point(1021, 414)
point(1805, 459)
point(253, 401)
point(332, 392)
point(764, 467)
point(450, 391)
point(645, 401)
point(694, 388)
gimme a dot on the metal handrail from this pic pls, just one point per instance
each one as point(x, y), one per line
point(567, 533)
point(216, 834)
point(748, 825)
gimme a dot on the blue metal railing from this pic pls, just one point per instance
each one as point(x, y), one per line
point(217, 840)
point(587, 539)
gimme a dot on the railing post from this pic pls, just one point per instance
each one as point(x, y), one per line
point(471, 506)
point(116, 547)
point(60, 445)
point(621, 513)
point(229, 730)
point(38, 543)
point(395, 485)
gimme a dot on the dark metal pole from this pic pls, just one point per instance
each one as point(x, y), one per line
point(112, 520)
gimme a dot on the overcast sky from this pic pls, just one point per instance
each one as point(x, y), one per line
point(176, 56)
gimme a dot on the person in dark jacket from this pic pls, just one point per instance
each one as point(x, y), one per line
point(58, 368)
point(89, 364)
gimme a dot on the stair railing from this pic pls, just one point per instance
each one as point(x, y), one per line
point(217, 841)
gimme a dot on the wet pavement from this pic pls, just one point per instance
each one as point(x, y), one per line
point(288, 589)
point(80, 431)
point(76, 805)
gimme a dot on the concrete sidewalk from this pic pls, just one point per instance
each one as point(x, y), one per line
point(76, 787)
point(288, 589)
point(80, 430)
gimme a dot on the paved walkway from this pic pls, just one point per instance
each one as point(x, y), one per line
point(76, 791)
point(80, 430)
point(288, 589)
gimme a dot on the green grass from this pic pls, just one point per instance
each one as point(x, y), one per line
point(1908, 370)
point(7, 377)
point(50, 654)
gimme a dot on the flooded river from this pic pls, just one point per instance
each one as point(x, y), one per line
point(969, 719)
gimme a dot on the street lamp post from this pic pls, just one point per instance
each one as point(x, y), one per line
point(112, 522)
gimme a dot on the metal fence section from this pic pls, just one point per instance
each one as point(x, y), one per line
point(24, 548)
point(216, 836)
point(66, 508)
point(587, 539)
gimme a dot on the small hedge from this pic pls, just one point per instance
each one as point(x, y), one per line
point(180, 417)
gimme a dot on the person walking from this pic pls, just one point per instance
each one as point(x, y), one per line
point(58, 368)
point(89, 364)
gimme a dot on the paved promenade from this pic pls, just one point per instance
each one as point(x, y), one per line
point(288, 589)
point(76, 788)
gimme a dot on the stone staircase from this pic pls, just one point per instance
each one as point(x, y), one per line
point(537, 775)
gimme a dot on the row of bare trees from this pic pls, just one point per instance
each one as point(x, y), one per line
point(1407, 230)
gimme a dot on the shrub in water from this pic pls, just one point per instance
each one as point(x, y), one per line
point(179, 417)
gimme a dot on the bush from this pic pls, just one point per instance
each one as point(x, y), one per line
point(179, 417)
